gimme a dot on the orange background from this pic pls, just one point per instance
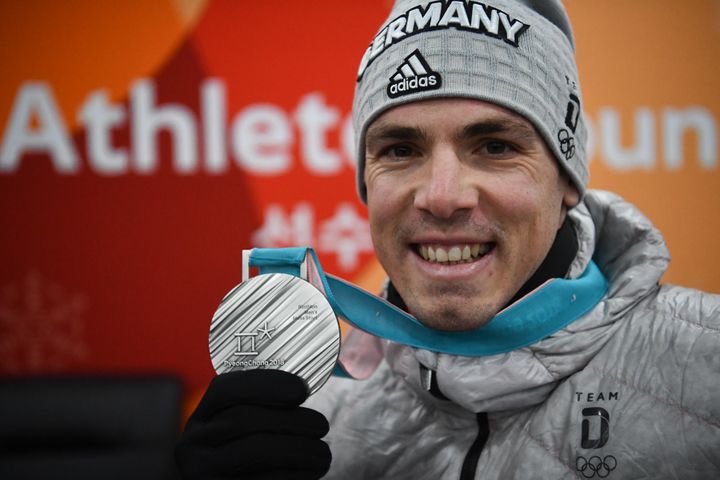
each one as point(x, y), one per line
point(658, 54)
point(122, 273)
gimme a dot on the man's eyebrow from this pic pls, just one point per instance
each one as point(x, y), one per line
point(393, 132)
point(488, 127)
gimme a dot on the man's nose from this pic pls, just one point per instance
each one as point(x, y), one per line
point(446, 187)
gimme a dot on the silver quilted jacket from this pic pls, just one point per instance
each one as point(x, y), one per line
point(629, 391)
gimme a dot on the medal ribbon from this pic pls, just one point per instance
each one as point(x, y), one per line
point(539, 314)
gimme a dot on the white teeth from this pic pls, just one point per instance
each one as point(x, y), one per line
point(454, 253)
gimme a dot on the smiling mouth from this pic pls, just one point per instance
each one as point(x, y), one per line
point(453, 254)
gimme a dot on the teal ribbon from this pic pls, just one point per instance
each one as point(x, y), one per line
point(536, 316)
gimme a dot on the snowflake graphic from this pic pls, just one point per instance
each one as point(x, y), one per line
point(41, 326)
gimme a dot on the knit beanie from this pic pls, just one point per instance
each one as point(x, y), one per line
point(518, 54)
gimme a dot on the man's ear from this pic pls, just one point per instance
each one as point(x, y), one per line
point(570, 198)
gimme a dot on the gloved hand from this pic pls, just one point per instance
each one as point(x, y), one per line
point(249, 425)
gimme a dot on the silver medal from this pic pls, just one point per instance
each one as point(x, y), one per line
point(276, 321)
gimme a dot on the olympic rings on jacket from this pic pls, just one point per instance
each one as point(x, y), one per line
point(595, 466)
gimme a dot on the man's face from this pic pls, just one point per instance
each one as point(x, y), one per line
point(464, 200)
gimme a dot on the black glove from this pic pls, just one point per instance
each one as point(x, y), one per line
point(249, 425)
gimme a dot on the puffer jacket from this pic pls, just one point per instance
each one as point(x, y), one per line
point(630, 390)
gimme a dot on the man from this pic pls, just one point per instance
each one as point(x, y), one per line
point(472, 163)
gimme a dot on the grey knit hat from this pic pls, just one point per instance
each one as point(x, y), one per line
point(518, 54)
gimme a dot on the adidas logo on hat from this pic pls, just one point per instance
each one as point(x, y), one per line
point(413, 75)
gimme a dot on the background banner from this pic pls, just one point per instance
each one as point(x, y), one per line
point(145, 144)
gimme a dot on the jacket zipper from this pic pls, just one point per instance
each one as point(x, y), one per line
point(428, 378)
point(473, 455)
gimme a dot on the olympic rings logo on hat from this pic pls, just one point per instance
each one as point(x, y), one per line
point(567, 144)
point(595, 466)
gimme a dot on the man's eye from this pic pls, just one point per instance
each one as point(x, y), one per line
point(399, 151)
point(497, 148)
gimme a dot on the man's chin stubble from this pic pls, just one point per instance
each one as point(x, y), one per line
point(452, 320)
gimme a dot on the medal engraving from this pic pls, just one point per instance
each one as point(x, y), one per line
point(276, 321)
